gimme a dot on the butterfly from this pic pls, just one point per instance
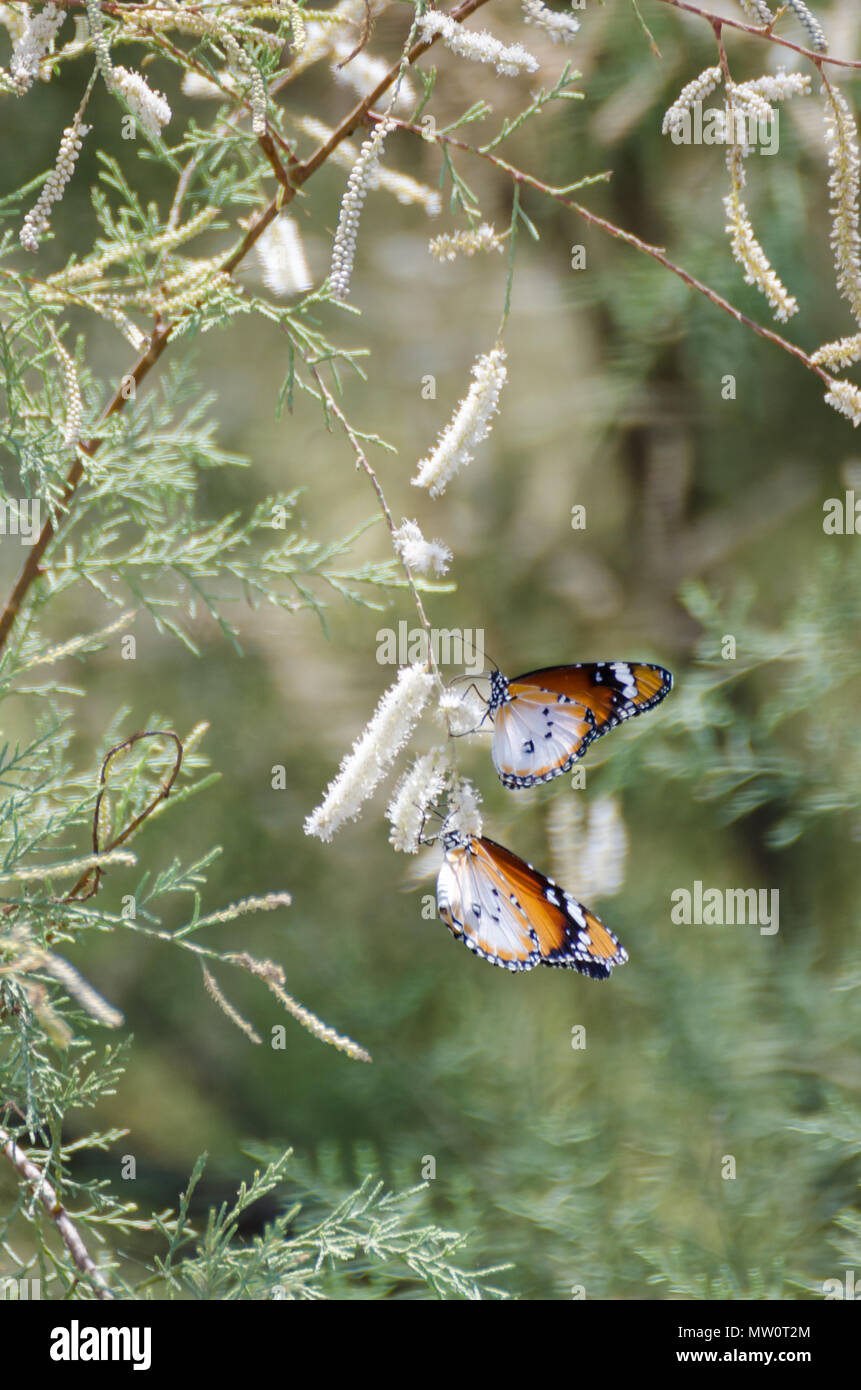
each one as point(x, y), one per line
point(545, 720)
point(510, 914)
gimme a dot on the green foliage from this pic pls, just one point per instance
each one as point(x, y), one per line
point(190, 436)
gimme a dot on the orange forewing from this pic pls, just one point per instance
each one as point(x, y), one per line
point(601, 696)
point(550, 922)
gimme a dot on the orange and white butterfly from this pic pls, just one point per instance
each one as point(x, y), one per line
point(509, 913)
point(545, 720)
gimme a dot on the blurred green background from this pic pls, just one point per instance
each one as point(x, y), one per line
point(602, 1167)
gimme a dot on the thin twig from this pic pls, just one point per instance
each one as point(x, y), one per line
point(761, 32)
point(362, 461)
point(161, 795)
point(47, 1195)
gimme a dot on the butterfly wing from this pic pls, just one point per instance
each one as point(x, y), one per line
point(538, 735)
point(477, 906)
point(550, 716)
point(509, 913)
point(568, 934)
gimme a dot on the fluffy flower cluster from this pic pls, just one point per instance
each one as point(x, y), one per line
point(477, 45)
point(423, 557)
point(747, 250)
point(37, 219)
point(417, 790)
point(557, 25)
point(240, 59)
point(282, 258)
point(470, 425)
point(461, 710)
point(447, 246)
point(843, 353)
point(774, 87)
point(148, 107)
point(34, 39)
point(344, 248)
point(757, 99)
point(374, 752)
point(74, 403)
point(841, 136)
point(695, 91)
point(464, 808)
point(99, 40)
point(846, 398)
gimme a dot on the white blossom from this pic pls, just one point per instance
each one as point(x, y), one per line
point(37, 219)
point(32, 43)
point(778, 86)
point(147, 106)
point(282, 258)
point(74, 403)
point(14, 21)
point(417, 790)
point(423, 557)
point(557, 24)
point(695, 91)
point(841, 136)
point(449, 244)
point(745, 247)
point(461, 709)
point(845, 352)
point(373, 752)
point(464, 814)
point(748, 101)
point(237, 54)
point(470, 425)
point(344, 248)
point(477, 45)
point(846, 398)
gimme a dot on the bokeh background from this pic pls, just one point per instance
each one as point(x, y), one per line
point(598, 1168)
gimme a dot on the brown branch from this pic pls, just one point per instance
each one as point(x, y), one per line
point(47, 1195)
point(761, 32)
point(290, 183)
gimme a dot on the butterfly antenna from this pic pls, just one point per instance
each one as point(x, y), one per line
point(455, 680)
point(472, 686)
